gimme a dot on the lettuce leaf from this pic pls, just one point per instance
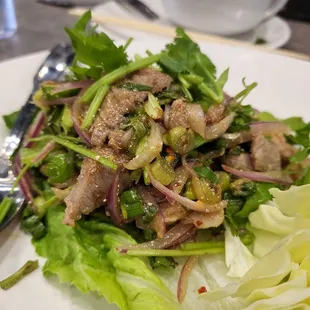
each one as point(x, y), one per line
point(85, 257)
point(293, 202)
point(79, 258)
point(238, 258)
point(269, 272)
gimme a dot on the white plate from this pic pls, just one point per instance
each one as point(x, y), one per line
point(275, 31)
point(283, 89)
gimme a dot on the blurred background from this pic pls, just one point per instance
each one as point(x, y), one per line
point(40, 26)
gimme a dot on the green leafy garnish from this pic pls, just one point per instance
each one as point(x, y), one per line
point(162, 262)
point(244, 93)
point(252, 203)
point(207, 173)
point(244, 115)
point(10, 119)
point(184, 56)
point(95, 49)
point(59, 167)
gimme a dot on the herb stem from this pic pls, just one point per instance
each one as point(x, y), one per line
point(156, 252)
point(94, 107)
point(128, 43)
point(19, 274)
point(118, 74)
point(203, 245)
point(79, 149)
point(5, 207)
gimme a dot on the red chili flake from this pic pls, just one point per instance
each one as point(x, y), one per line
point(202, 290)
point(199, 223)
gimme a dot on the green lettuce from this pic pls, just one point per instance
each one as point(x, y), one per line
point(84, 257)
point(274, 283)
point(238, 257)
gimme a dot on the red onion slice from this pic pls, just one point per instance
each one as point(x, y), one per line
point(35, 128)
point(116, 188)
point(196, 118)
point(64, 86)
point(277, 177)
point(24, 182)
point(266, 128)
point(190, 204)
point(216, 130)
point(183, 280)
point(45, 151)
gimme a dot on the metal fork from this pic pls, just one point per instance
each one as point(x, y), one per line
point(53, 68)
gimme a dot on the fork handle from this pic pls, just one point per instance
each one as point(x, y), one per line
point(12, 141)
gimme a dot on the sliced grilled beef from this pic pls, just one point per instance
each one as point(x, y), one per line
point(240, 162)
point(265, 154)
point(93, 184)
point(120, 101)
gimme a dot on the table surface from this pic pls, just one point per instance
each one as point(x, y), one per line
point(40, 27)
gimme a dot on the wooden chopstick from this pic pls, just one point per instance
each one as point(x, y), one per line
point(170, 32)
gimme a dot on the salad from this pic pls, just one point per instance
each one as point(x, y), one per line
point(151, 186)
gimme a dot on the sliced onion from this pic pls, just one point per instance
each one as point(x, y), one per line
point(167, 116)
point(234, 139)
point(25, 181)
point(35, 128)
point(151, 149)
point(113, 200)
point(183, 280)
point(171, 238)
point(64, 86)
point(76, 114)
point(190, 204)
point(266, 128)
point(45, 151)
point(180, 179)
point(159, 224)
point(278, 177)
point(196, 118)
point(204, 221)
point(216, 130)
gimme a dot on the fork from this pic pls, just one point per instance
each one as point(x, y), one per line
point(53, 68)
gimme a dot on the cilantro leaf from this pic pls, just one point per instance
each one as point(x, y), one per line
point(244, 115)
point(302, 136)
point(184, 56)
point(252, 202)
point(95, 49)
point(10, 119)
point(296, 123)
point(300, 155)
